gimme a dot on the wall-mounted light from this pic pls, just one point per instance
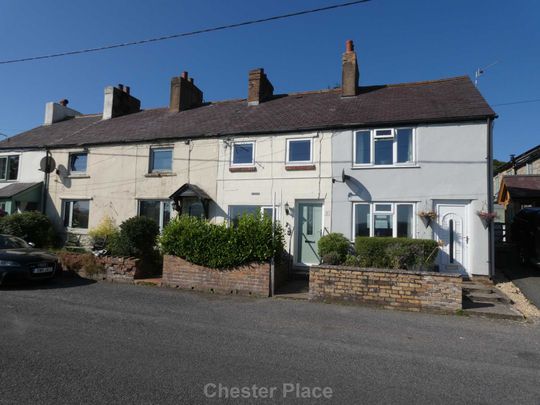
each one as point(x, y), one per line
point(287, 208)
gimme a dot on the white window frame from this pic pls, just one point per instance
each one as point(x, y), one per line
point(373, 138)
point(7, 166)
point(372, 214)
point(69, 162)
point(275, 211)
point(69, 212)
point(299, 162)
point(151, 159)
point(161, 210)
point(252, 163)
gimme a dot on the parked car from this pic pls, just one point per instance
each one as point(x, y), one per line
point(19, 260)
point(526, 234)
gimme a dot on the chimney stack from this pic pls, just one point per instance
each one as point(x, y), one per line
point(259, 87)
point(349, 77)
point(119, 102)
point(184, 94)
point(56, 112)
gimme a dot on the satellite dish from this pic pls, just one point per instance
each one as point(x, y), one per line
point(47, 164)
point(344, 177)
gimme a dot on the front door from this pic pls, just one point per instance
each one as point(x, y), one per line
point(309, 226)
point(452, 232)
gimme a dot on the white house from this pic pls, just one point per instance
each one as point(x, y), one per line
point(360, 160)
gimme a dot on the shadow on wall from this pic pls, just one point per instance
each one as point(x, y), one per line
point(63, 175)
point(358, 189)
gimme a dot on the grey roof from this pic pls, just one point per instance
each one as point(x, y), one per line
point(190, 190)
point(16, 188)
point(446, 100)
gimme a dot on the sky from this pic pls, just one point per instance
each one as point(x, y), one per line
point(396, 41)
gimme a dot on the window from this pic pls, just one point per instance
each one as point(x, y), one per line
point(161, 160)
point(383, 219)
point(299, 150)
point(236, 211)
point(362, 151)
point(158, 210)
point(9, 167)
point(243, 154)
point(77, 162)
point(76, 213)
point(383, 147)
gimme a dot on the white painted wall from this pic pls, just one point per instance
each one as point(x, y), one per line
point(28, 166)
point(450, 165)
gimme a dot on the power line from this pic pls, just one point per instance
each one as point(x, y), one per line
point(534, 100)
point(185, 34)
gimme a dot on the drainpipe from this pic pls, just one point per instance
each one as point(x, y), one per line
point(491, 243)
point(46, 177)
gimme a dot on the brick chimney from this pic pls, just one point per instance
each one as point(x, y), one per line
point(184, 94)
point(56, 112)
point(118, 101)
point(259, 87)
point(349, 77)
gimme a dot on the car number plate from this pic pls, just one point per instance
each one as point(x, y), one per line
point(42, 270)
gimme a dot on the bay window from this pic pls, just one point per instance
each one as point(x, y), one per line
point(383, 219)
point(383, 147)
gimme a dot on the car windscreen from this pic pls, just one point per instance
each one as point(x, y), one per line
point(11, 242)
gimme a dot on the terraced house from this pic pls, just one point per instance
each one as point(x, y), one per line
point(360, 160)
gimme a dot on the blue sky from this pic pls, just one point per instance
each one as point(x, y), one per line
point(396, 41)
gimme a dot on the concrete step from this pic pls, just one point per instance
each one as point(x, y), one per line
point(491, 310)
point(487, 296)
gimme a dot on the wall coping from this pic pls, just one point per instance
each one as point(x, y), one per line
point(391, 271)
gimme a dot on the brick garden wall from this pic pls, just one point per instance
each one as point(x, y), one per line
point(251, 279)
point(394, 289)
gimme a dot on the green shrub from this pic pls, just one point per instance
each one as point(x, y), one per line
point(137, 237)
point(254, 239)
point(395, 253)
point(104, 232)
point(335, 247)
point(31, 226)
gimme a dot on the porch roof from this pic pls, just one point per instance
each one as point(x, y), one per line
point(14, 189)
point(190, 190)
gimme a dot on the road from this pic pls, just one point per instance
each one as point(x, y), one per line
point(75, 342)
point(527, 278)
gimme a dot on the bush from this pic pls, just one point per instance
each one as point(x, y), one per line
point(31, 226)
point(137, 237)
point(254, 239)
point(395, 253)
point(104, 232)
point(334, 247)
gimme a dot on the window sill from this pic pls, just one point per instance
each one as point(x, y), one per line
point(78, 176)
point(368, 167)
point(160, 174)
point(242, 169)
point(292, 168)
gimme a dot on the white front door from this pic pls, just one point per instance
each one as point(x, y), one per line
point(452, 231)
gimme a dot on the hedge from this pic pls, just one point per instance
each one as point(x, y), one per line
point(137, 237)
point(334, 248)
point(31, 226)
point(395, 253)
point(254, 239)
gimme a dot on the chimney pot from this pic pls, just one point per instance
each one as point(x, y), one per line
point(184, 75)
point(349, 46)
point(64, 102)
point(121, 87)
point(127, 89)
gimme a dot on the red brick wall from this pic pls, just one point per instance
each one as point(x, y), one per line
point(394, 289)
point(251, 279)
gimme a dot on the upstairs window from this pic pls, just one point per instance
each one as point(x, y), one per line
point(161, 160)
point(9, 167)
point(299, 151)
point(77, 162)
point(383, 147)
point(243, 154)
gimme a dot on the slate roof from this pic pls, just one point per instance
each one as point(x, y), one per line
point(445, 100)
point(15, 188)
point(522, 186)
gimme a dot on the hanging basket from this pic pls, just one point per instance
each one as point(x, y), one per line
point(486, 217)
point(427, 216)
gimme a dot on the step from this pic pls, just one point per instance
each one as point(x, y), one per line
point(491, 296)
point(494, 310)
